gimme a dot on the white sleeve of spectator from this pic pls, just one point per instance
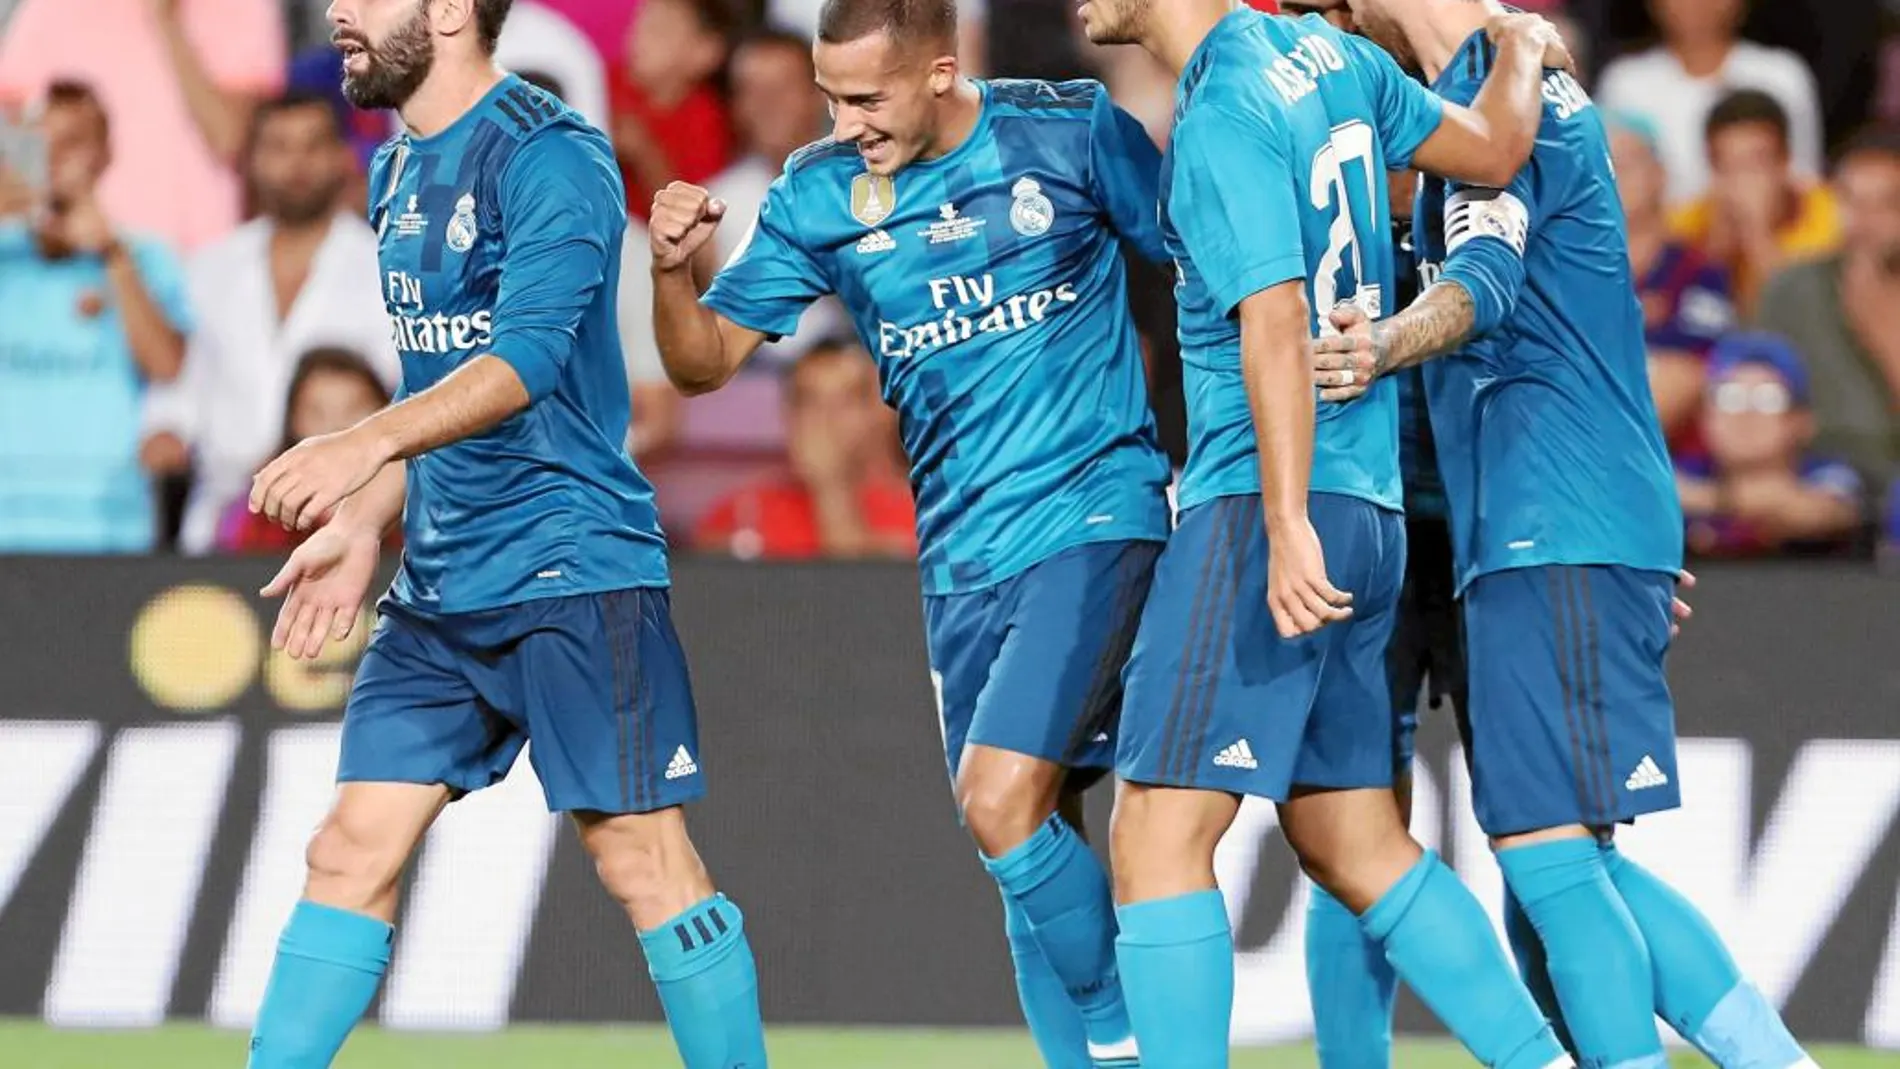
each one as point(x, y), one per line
point(639, 349)
point(1799, 93)
point(177, 406)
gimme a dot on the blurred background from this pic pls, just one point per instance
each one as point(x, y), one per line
point(187, 287)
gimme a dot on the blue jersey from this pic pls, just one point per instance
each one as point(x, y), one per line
point(988, 284)
point(1547, 434)
point(1284, 131)
point(501, 235)
point(1418, 453)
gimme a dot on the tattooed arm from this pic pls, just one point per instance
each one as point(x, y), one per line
point(1346, 365)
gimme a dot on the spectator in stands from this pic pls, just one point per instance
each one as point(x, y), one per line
point(1840, 312)
point(1702, 57)
point(1686, 302)
point(776, 109)
point(182, 75)
point(1759, 216)
point(302, 274)
point(669, 121)
point(1759, 490)
point(843, 495)
point(89, 314)
point(331, 390)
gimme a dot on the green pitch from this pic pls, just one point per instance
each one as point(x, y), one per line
point(30, 1045)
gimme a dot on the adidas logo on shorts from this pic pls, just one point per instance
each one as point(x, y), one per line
point(1646, 775)
point(681, 765)
point(1239, 755)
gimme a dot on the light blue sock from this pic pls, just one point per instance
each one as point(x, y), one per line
point(1532, 968)
point(1699, 989)
point(1439, 939)
point(1060, 886)
point(1054, 1022)
point(329, 962)
point(1177, 959)
point(702, 967)
point(1598, 963)
point(1352, 985)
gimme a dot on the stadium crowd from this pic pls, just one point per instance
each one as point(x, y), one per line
point(187, 285)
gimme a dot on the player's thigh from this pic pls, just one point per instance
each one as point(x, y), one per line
point(1571, 719)
point(415, 716)
point(1054, 690)
point(601, 682)
point(371, 829)
point(1214, 699)
point(1349, 739)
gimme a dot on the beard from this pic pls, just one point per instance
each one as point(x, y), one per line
point(1118, 22)
point(397, 66)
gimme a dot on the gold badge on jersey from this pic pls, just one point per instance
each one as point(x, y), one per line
point(873, 198)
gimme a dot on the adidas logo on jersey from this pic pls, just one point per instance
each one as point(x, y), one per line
point(681, 765)
point(1647, 775)
point(876, 241)
point(1239, 755)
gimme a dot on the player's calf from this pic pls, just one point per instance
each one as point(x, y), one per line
point(335, 948)
point(694, 939)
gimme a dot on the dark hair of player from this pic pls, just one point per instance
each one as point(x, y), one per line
point(64, 92)
point(774, 37)
point(489, 17)
point(1746, 107)
point(907, 22)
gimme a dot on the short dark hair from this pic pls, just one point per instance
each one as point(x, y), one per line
point(776, 37)
point(67, 92)
point(1746, 107)
point(906, 21)
point(489, 17)
point(297, 100)
point(1881, 141)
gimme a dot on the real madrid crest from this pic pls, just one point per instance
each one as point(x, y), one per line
point(873, 198)
point(1032, 214)
point(461, 232)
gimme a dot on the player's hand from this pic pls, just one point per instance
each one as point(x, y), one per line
point(1299, 595)
point(1679, 610)
point(1536, 31)
point(323, 585)
point(298, 489)
point(1346, 364)
point(683, 218)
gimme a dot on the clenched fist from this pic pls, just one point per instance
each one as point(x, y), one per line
point(684, 217)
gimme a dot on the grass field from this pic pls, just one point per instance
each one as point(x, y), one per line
point(31, 1045)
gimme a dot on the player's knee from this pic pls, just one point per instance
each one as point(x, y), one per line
point(353, 865)
point(1162, 842)
point(646, 862)
point(1004, 801)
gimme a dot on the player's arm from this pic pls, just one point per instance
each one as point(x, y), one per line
point(1486, 234)
point(1487, 142)
point(373, 510)
point(1125, 177)
point(760, 294)
point(1240, 223)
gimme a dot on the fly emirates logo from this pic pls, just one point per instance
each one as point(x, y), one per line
point(970, 306)
point(437, 333)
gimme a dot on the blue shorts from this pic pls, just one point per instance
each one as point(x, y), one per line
point(1217, 700)
point(1571, 720)
point(597, 681)
point(1033, 664)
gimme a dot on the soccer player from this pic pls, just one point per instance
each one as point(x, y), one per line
point(1568, 540)
point(1252, 672)
point(532, 597)
point(973, 229)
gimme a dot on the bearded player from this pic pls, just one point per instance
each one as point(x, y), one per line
point(532, 597)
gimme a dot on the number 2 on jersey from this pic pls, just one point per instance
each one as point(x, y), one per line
point(1331, 191)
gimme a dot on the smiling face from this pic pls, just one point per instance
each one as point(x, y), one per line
point(885, 98)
